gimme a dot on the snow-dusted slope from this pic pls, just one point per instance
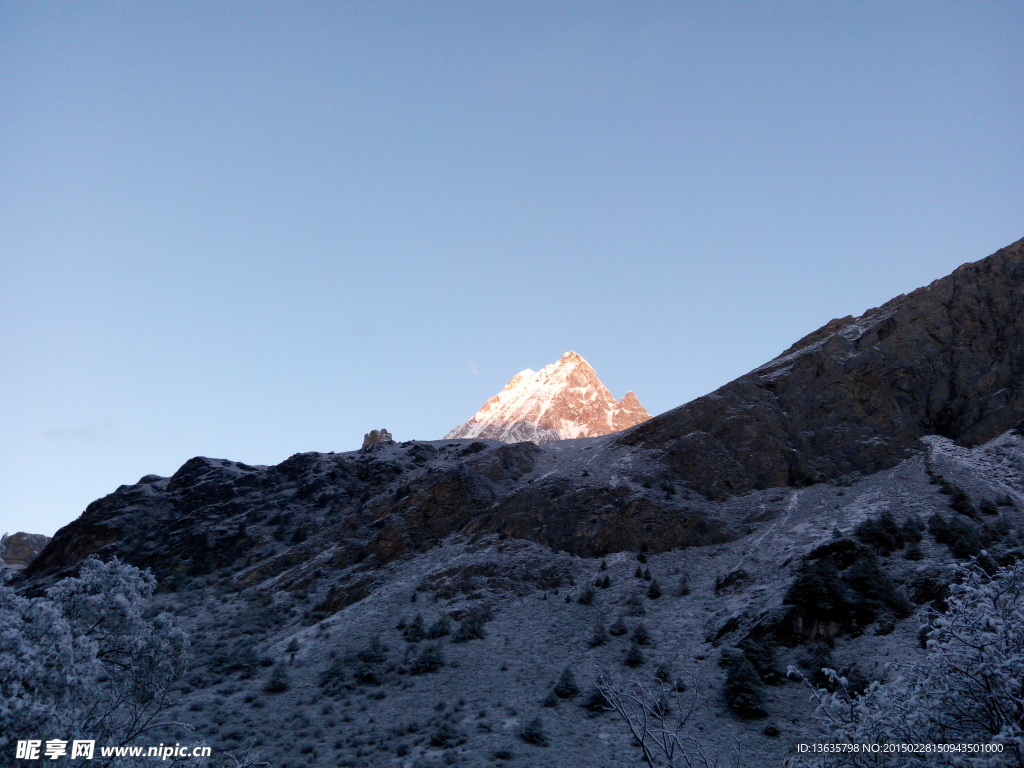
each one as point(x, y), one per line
point(561, 401)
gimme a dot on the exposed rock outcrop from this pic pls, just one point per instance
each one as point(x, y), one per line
point(859, 393)
point(375, 436)
point(561, 401)
point(21, 548)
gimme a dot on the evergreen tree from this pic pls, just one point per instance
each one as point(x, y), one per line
point(619, 627)
point(634, 656)
point(654, 592)
point(414, 629)
point(278, 681)
point(566, 686)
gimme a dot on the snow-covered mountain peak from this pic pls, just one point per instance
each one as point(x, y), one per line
point(561, 401)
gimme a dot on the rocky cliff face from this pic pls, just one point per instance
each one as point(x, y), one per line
point(858, 394)
point(350, 513)
point(21, 548)
point(561, 401)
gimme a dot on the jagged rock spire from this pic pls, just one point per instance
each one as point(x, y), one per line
point(560, 401)
point(375, 436)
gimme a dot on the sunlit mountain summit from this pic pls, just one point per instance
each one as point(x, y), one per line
point(561, 401)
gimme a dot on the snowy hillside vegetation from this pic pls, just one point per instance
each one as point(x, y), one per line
point(486, 649)
point(966, 692)
point(86, 661)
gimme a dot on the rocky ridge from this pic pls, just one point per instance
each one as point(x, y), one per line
point(561, 401)
point(858, 394)
point(21, 548)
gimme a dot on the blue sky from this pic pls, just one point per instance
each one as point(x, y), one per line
point(250, 229)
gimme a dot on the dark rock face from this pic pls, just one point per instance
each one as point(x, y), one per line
point(856, 395)
point(21, 548)
point(349, 514)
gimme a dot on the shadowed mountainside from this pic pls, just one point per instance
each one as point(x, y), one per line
point(859, 393)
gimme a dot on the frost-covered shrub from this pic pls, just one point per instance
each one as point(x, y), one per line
point(660, 720)
point(968, 688)
point(472, 625)
point(959, 534)
point(84, 660)
point(47, 674)
point(882, 533)
point(413, 631)
point(430, 660)
point(744, 692)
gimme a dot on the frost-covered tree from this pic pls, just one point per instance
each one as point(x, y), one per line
point(85, 661)
point(968, 689)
